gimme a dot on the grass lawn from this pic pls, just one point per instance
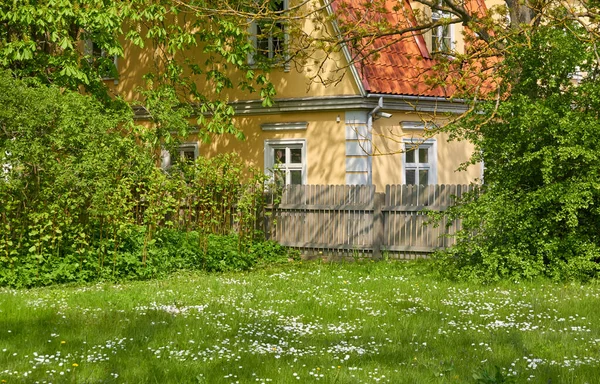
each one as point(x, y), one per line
point(302, 323)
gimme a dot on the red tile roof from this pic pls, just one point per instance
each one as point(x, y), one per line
point(402, 63)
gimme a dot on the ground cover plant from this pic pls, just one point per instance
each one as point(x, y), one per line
point(302, 323)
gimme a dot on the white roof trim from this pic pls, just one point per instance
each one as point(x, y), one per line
point(346, 52)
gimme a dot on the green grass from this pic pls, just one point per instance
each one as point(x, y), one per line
point(302, 323)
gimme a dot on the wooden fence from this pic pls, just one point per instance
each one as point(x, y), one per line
point(344, 220)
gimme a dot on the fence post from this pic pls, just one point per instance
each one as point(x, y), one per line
point(378, 224)
point(268, 215)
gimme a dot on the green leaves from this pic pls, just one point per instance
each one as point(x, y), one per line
point(46, 39)
point(540, 146)
point(68, 179)
point(82, 196)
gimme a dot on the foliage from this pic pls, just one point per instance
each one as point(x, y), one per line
point(45, 40)
point(539, 213)
point(82, 197)
point(496, 376)
point(221, 253)
point(270, 252)
point(73, 44)
point(69, 181)
point(218, 193)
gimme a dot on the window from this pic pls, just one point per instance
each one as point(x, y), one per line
point(441, 36)
point(419, 163)
point(5, 165)
point(98, 57)
point(184, 152)
point(285, 161)
point(268, 35)
point(577, 75)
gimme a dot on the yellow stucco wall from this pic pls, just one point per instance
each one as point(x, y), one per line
point(326, 147)
point(324, 135)
point(388, 136)
point(325, 143)
point(294, 81)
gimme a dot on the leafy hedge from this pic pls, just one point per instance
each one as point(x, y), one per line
point(82, 197)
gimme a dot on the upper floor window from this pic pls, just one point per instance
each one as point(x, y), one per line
point(285, 160)
point(269, 35)
point(441, 36)
point(98, 57)
point(420, 163)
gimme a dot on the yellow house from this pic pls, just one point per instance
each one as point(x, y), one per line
point(369, 127)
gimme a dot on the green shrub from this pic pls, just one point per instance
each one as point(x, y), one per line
point(229, 253)
point(538, 214)
point(271, 252)
point(82, 198)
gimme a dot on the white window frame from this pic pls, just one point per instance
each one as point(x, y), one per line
point(6, 167)
point(431, 166)
point(89, 51)
point(437, 15)
point(271, 53)
point(269, 153)
point(165, 156)
point(577, 75)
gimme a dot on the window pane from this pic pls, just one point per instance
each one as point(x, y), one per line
point(445, 39)
point(423, 155)
point(410, 156)
point(262, 46)
point(423, 177)
point(279, 179)
point(189, 155)
point(276, 5)
point(410, 176)
point(97, 51)
point(447, 44)
point(277, 37)
point(279, 157)
point(296, 154)
point(262, 41)
point(277, 47)
point(296, 177)
point(440, 35)
point(435, 40)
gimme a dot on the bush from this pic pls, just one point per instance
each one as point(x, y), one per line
point(538, 214)
point(82, 198)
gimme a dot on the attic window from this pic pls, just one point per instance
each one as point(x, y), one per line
point(99, 58)
point(441, 36)
point(268, 35)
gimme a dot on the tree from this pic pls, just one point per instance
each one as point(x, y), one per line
point(69, 181)
point(529, 75)
point(71, 44)
point(537, 213)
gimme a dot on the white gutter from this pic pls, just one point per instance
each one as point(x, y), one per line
point(374, 111)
